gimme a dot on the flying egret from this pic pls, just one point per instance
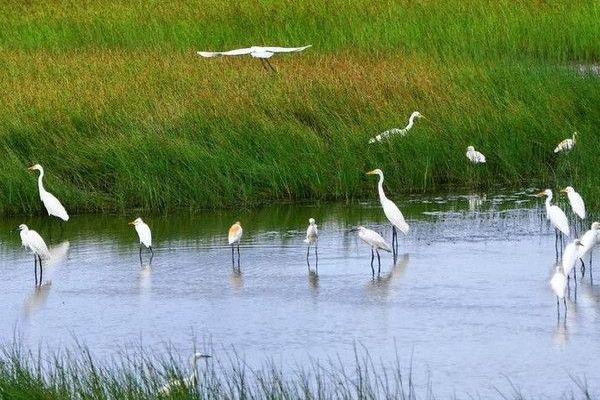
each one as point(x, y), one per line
point(51, 203)
point(376, 242)
point(569, 258)
point(312, 236)
point(577, 204)
point(32, 240)
point(260, 52)
point(558, 283)
point(566, 144)
point(474, 156)
point(557, 218)
point(190, 381)
point(234, 236)
point(143, 231)
point(588, 241)
point(392, 212)
point(398, 131)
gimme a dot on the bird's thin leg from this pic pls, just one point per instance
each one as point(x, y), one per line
point(316, 260)
point(379, 263)
point(575, 278)
point(372, 258)
point(262, 61)
point(238, 251)
point(557, 308)
point(591, 269)
point(35, 268)
point(140, 254)
point(565, 303)
point(556, 243)
point(569, 285)
point(232, 257)
point(582, 268)
point(41, 270)
point(272, 67)
point(151, 255)
point(307, 260)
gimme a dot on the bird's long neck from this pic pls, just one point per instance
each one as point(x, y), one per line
point(40, 182)
point(548, 200)
point(380, 188)
point(411, 122)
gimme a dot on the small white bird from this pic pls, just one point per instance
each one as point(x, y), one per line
point(557, 217)
point(558, 283)
point(376, 242)
point(32, 240)
point(187, 382)
point(566, 144)
point(312, 236)
point(233, 237)
point(51, 203)
point(577, 204)
point(260, 52)
point(391, 211)
point(570, 256)
point(589, 239)
point(474, 156)
point(143, 231)
point(397, 131)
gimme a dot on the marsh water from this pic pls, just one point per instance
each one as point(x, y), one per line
point(467, 300)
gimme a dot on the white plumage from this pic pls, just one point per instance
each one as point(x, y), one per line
point(577, 204)
point(312, 233)
point(143, 231)
point(254, 51)
point(188, 381)
point(557, 217)
point(235, 233)
point(558, 283)
point(589, 239)
point(52, 204)
point(373, 239)
point(34, 242)
point(474, 156)
point(566, 144)
point(570, 256)
point(397, 131)
point(391, 211)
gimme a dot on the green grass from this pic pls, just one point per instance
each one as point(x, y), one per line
point(110, 98)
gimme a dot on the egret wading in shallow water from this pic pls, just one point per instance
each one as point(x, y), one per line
point(32, 240)
point(397, 131)
point(260, 52)
point(145, 236)
point(557, 218)
point(588, 240)
point(577, 204)
point(51, 203)
point(558, 283)
point(392, 212)
point(312, 236)
point(376, 242)
point(566, 144)
point(187, 382)
point(233, 237)
point(474, 156)
point(569, 259)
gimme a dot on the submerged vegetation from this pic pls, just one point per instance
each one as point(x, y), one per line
point(110, 98)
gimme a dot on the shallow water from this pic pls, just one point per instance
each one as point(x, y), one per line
point(468, 298)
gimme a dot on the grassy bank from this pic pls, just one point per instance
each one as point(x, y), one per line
point(110, 98)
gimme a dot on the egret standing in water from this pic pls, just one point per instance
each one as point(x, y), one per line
point(558, 283)
point(260, 52)
point(187, 382)
point(566, 144)
point(32, 240)
point(589, 239)
point(474, 156)
point(577, 204)
point(145, 236)
point(312, 236)
point(557, 218)
point(569, 259)
point(376, 242)
point(392, 212)
point(51, 203)
point(233, 237)
point(397, 131)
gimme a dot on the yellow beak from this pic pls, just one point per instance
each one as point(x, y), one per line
point(30, 168)
point(540, 194)
point(564, 190)
point(371, 172)
point(130, 223)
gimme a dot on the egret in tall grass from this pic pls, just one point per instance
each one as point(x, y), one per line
point(312, 236)
point(398, 131)
point(53, 206)
point(557, 218)
point(588, 240)
point(566, 145)
point(187, 382)
point(233, 237)
point(576, 202)
point(558, 283)
point(391, 211)
point(376, 242)
point(474, 156)
point(143, 231)
point(261, 52)
point(32, 240)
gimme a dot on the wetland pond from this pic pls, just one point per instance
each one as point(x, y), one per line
point(468, 300)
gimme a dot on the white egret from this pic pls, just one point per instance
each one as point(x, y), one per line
point(143, 231)
point(557, 217)
point(576, 202)
point(391, 211)
point(190, 381)
point(474, 156)
point(312, 236)
point(32, 240)
point(588, 240)
point(566, 144)
point(569, 258)
point(233, 237)
point(558, 283)
point(397, 131)
point(51, 203)
point(376, 242)
point(261, 52)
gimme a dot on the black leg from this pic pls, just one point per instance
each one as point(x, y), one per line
point(232, 257)
point(140, 254)
point(269, 63)
point(316, 260)
point(151, 255)
point(372, 258)
point(582, 269)
point(565, 303)
point(557, 308)
point(556, 243)
point(379, 263)
point(35, 267)
point(41, 270)
point(307, 260)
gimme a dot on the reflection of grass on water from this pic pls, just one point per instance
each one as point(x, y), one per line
point(140, 375)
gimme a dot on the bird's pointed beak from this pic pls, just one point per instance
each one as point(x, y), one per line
point(540, 194)
point(563, 190)
point(30, 168)
point(371, 172)
point(131, 223)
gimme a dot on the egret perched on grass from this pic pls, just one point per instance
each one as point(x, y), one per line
point(474, 156)
point(392, 212)
point(233, 237)
point(557, 218)
point(589, 239)
point(51, 203)
point(260, 52)
point(143, 231)
point(376, 242)
point(577, 204)
point(312, 236)
point(32, 240)
point(397, 131)
point(558, 283)
point(566, 144)
point(187, 382)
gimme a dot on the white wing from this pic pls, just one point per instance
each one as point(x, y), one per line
point(569, 257)
point(565, 145)
point(558, 283)
point(236, 52)
point(558, 218)
point(37, 244)
point(588, 241)
point(374, 239)
point(283, 49)
point(144, 233)
point(311, 234)
point(577, 204)
point(53, 206)
point(388, 133)
point(393, 213)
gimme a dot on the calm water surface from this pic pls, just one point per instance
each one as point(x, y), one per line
point(468, 299)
